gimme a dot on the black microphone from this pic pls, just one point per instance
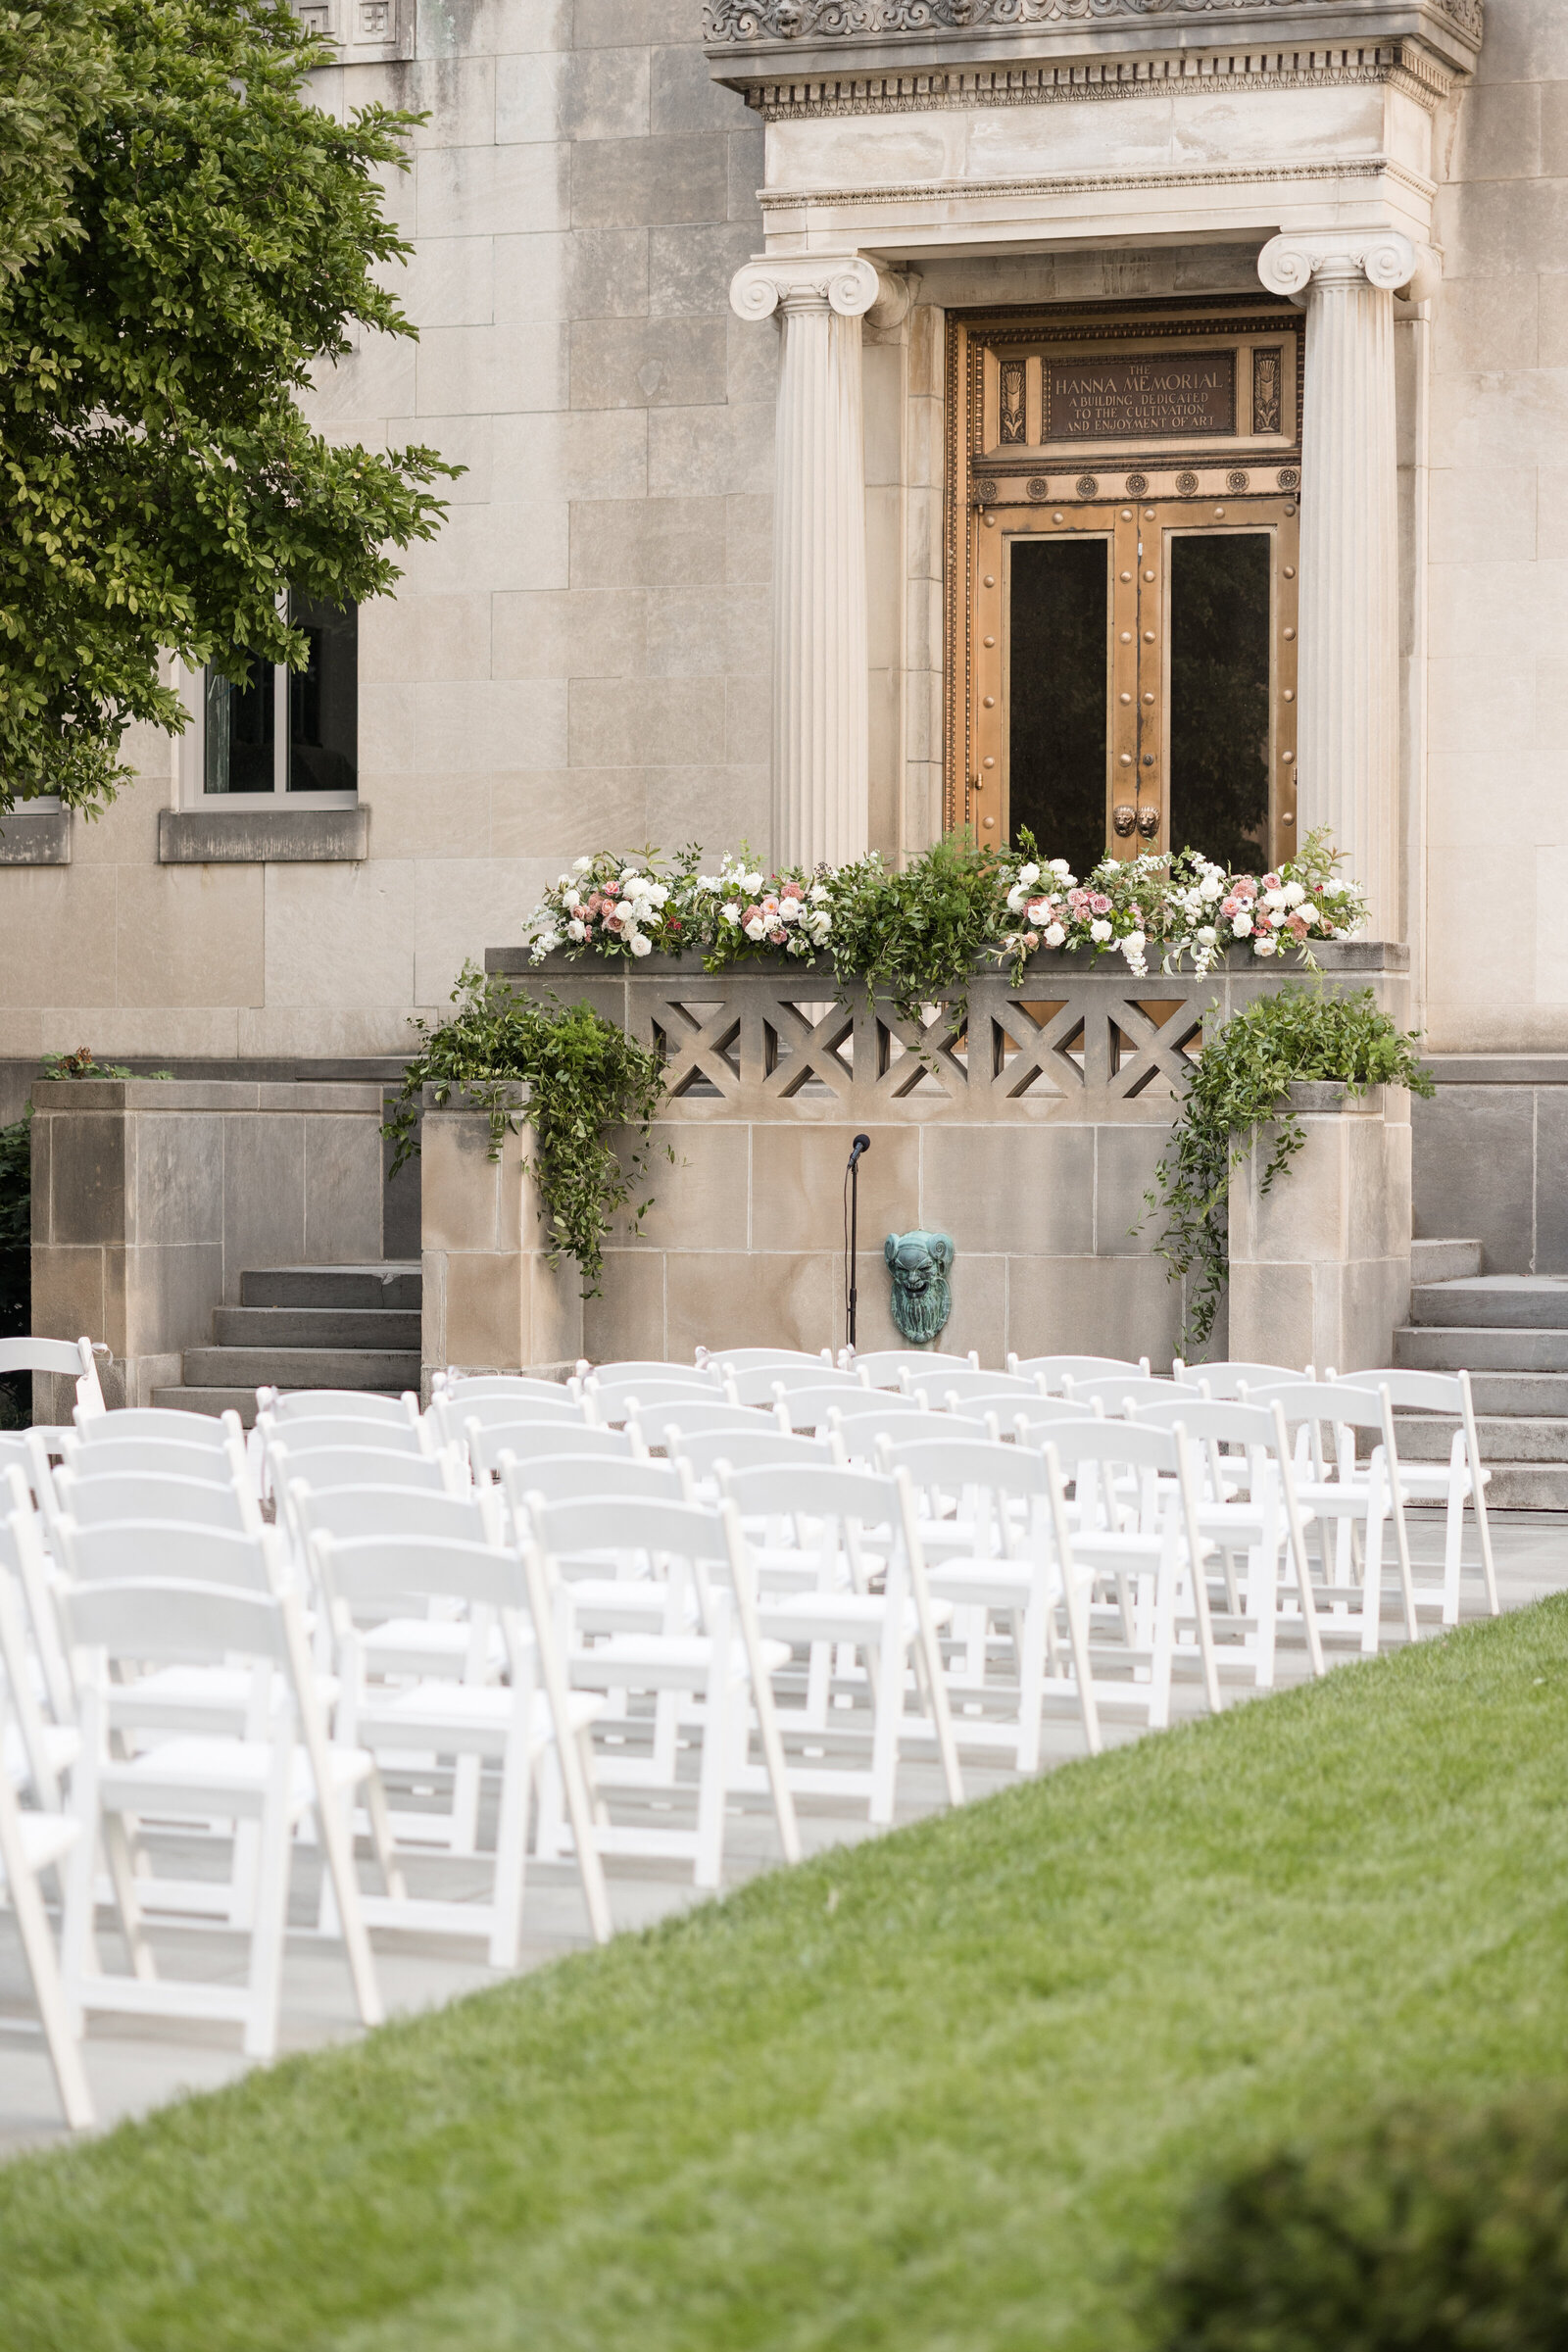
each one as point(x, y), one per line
point(861, 1145)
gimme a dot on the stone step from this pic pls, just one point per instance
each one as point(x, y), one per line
point(1531, 1393)
point(316, 1327)
point(387, 1368)
point(1527, 1487)
point(1443, 1261)
point(394, 1285)
point(225, 1401)
point(1521, 1302)
point(1504, 1436)
point(1462, 1348)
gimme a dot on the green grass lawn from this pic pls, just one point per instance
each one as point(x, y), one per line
point(949, 2089)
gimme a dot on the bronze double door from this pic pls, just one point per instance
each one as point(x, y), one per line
point(1124, 668)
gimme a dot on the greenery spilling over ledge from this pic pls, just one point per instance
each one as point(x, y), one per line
point(583, 1076)
point(950, 2088)
point(919, 930)
point(1241, 1080)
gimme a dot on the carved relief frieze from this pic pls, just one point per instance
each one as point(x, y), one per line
point(742, 22)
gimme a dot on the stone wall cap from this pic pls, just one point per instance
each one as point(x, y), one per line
point(1315, 1096)
point(1333, 956)
point(461, 1103)
point(56, 1094)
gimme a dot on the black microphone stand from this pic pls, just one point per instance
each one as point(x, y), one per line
point(852, 1179)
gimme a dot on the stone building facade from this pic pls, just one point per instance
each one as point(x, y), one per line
point(594, 652)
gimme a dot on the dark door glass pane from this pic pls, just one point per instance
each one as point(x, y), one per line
point(323, 700)
point(1058, 652)
point(1219, 657)
point(240, 732)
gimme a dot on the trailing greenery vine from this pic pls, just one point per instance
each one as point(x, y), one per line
point(1240, 1081)
point(918, 932)
point(585, 1076)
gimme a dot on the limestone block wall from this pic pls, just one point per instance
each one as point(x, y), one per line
point(1031, 1139)
point(150, 1199)
point(491, 1303)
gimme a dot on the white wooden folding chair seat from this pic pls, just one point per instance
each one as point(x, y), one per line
point(510, 1725)
point(894, 1367)
point(466, 1388)
point(318, 1433)
point(159, 1423)
point(1151, 1588)
point(699, 1420)
point(31, 1846)
point(1357, 1499)
point(1249, 1506)
point(1462, 1478)
point(964, 1390)
point(647, 1367)
point(852, 1513)
point(454, 1418)
point(147, 1457)
point(729, 1665)
point(825, 1405)
point(1111, 1391)
point(1053, 1369)
point(527, 1439)
point(280, 1770)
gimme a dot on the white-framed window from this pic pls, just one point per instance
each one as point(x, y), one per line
point(286, 731)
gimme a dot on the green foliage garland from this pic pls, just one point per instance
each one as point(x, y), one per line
point(185, 239)
point(1238, 1082)
point(917, 933)
point(585, 1076)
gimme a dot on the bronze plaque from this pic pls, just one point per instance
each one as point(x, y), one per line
point(1157, 394)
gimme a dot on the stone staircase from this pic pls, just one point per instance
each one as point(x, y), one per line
point(1510, 1333)
point(306, 1327)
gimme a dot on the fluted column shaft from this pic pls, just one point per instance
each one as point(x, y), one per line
point(819, 743)
point(1347, 770)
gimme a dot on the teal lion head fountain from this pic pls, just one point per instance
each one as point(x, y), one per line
point(919, 1264)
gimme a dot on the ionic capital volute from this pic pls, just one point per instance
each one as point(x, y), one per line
point(845, 282)
point(1307, 260)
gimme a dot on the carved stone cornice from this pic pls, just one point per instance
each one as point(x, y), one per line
point(752, 40)
point(845, 282)
point(1294, 263)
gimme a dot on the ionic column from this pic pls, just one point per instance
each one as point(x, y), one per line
point(1347, 772)
point(821, 796)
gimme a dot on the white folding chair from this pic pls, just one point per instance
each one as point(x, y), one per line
point(1113, 1391)
point(639, 1397)
point(456, 1417)
point(1149, 1567)
point(1231, 1383)
point(507, 1725)
point(685, 1421)
point(36, 1750)
point(725, 1361)
point(823, 1406)
point(971, 1392)
point(767, 1384)
point(996, 1501)
point(1462, 1478)
point(838, 1512)
point(525, 1438)
point(130, 1496)
point(1251, 1510)
point(649, 1368)
point(284, 1406)
point(68, 1360)
point(467, 1388)
point(1053, 1369)
point(31, 1844)
point(728, 1664)
point(279, 1770)
point(159, 1423)
point(886, 1367)
point(1357, 1499)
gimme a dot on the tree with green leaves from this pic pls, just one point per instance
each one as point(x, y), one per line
point(184, 239)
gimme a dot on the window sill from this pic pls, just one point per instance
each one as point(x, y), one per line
point(35, 837)
point(284, 836)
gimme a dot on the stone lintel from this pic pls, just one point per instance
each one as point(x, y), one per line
point(35, 837)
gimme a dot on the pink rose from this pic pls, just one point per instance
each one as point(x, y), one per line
point(1230, 907)
point(612, 890)
point(1272, 882)
point(1298, 924)
point(1031, 939)
point(792, 890)
point(1099, 903)
point(751, 914)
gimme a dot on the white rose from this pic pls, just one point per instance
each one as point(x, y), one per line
point(576, 930)
point(1028, 873)
point(1264, 944)
point(1242, 924)
point(546, 941)
point(820, 893)
point(1016, 899)
point(1274, 898)
point(1131, 946)
point(755, 928)
point(791, 910)
point(730, 912)
point(1054, 935)
point(1208, 934)
point(1294, 894)
point(1060, 866)
point(1279, 919)
point(752, 882)
point(1211, 886)
point(1100, 931)
point(581, 866)
point(640, 943)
